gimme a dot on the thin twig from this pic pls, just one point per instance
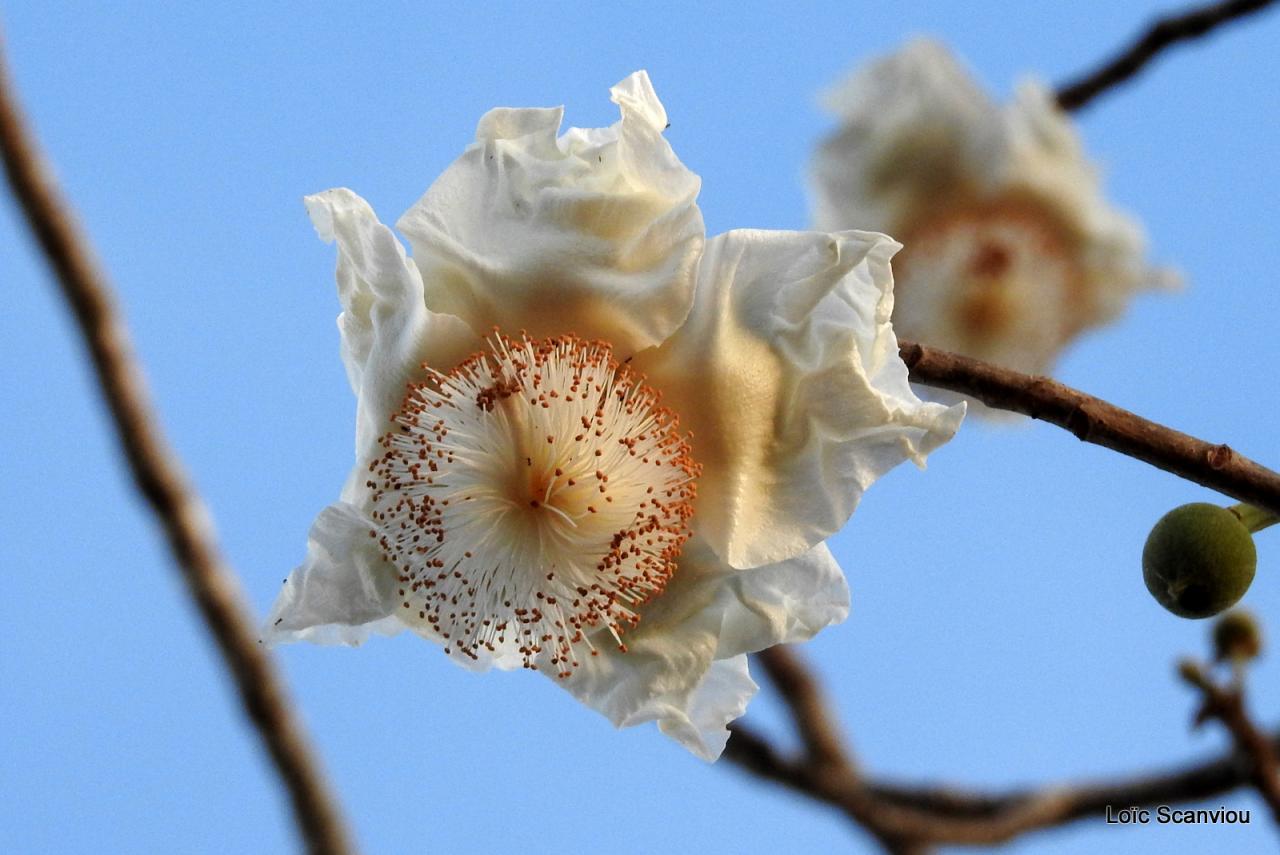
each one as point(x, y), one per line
point(157, 476)
point(1226, 704)
point(1160, 35)
point(1094, 420)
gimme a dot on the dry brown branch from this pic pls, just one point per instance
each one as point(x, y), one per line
point(945, 814)
point(1094, 420)
point(157, 476)
point(907, 818)
point(1161, 34)
point(799, 688)
point(1227, 705)
point(825, 765)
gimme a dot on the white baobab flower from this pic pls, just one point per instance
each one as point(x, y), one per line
point(1010, 249)
point(591, 442)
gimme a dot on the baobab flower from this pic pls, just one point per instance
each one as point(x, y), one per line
point(591, 442)
point(1010, 250)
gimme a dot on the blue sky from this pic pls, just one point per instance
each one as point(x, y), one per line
point(1000, 632)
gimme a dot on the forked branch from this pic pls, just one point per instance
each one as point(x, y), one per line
point(1226, 704)
point(907, 817)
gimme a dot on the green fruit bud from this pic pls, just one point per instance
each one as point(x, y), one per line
point(1199, 560)
point(1236, 637)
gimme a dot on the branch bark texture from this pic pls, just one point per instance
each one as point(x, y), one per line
point(1094, 420)
point(906, 817)
point(158, 477)
point(1227, 705)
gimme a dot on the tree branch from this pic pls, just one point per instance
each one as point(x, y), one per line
point(1226, 704)
point(906, 818)
point(817, 727)
point(157, 476)
point(1094, 420)
point(825, 765)
point(1160, 35)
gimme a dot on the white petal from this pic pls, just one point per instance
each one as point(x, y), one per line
point(914, 127)
point(684, 666)
point(636, 97)
point(720, 697)
point(534, 127)
point(387, 331)
point(747, 610)
point(788, 373)
point(595, 233)
point(782, 603)
point(342, 592)
point(1047, 162)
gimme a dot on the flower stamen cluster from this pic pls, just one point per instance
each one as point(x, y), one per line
point(534, 493)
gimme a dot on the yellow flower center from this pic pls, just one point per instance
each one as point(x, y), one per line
point(533, 494)
point(999, 279)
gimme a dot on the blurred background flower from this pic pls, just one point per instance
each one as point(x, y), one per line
point(1010, 249)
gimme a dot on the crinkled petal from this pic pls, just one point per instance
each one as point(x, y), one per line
point(1047, 162)
point(344, 590)
point(915, 127)
point(387, 331)
point(782, 603)
point(595, 233)
point(720, 697)
point(685, 666)
point(788, 373)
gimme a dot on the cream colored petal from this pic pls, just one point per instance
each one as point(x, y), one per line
point(342, 593)
point(787, 371)
point(387, 331)
point(685, 666)
point(914, 128)
point(595, 233)
point(747, 610)
point(661, 679)
point(720, 697)
point(783, 603)
point(1047, 162)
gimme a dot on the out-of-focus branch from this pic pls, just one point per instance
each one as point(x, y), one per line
point(157, 476)
point(825, 765)
point(1161, 34)
point(908, 818)
point(1226, 704)
point(1094, 420)
point(815, 723)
